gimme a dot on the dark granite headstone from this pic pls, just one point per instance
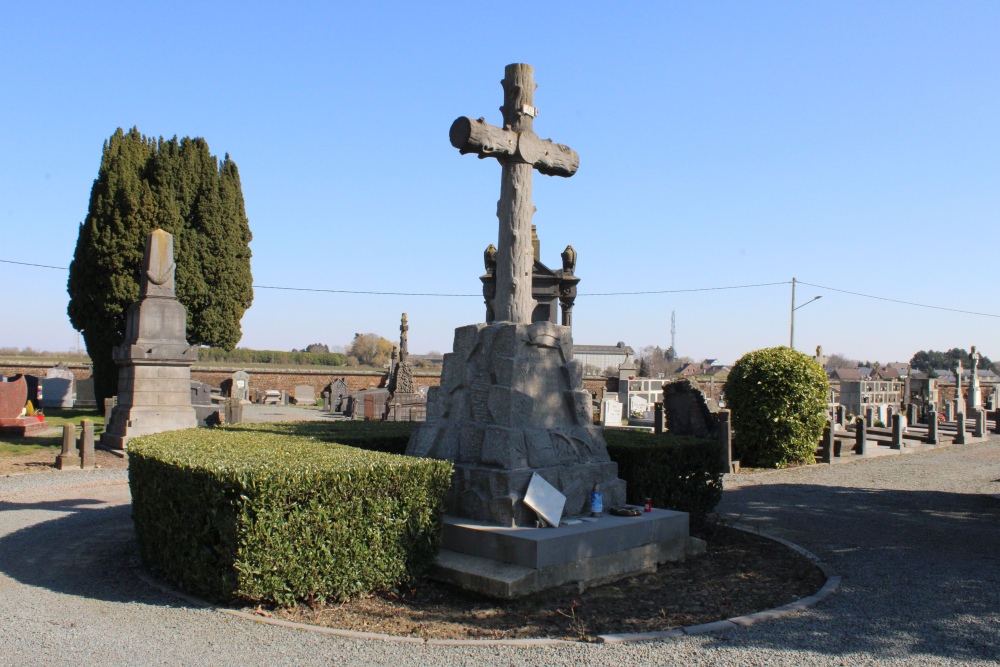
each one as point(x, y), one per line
point(687, 410)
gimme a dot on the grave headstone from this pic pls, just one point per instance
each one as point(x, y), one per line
point(932, 428)
point(234, 410)
point(612, 412)
point(69, 458)
point(13, 398)
point(688, 411)
point(861, 436)
point(205, 408)
point(975, 393)
point(326, 400)
point(85, 397)
point(949, 412)
point(338, 395)
point(897, 432)
point(980, 426)
point(841, 414)
point(960, 431)
point(637, 406)
point(240, 386)
point(911, 413)
point(154, 361)
point(305, 395)
point(826, 447)
point(659, 418)
point(87, 460)
point(109, 408)
point(869, 416)
point(725, 435)
point(58, 388)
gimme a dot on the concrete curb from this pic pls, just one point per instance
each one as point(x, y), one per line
point(829, 587)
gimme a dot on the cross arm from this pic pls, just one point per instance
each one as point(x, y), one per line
point(485, 140)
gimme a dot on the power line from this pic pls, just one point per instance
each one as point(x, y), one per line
point(350, 291)
point(441, 294)
point(907, 303)
point(43, 266)
point(668, 291)
point(693, 289)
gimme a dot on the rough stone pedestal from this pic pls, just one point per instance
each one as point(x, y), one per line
point(154, 361)
point(511, 403)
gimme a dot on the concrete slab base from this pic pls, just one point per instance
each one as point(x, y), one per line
point(23, 426)
point(509, 563)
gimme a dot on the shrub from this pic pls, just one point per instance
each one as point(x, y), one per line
point(676, 472)
point(374, 436)
point(247, 513)
point(778, 401)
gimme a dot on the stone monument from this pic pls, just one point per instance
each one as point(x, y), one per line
point(154, 361)
point(959, 398)
point(405, 403)
point(513, 415)
point(511, 401)
point(239, 386)
point(975, 393)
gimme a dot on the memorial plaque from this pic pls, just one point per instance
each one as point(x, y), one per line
point(545, 499)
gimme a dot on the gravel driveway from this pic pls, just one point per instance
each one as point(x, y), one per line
point(917, 538)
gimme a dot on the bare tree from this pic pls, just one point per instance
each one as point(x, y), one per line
point(840, 361)
point(370, 349)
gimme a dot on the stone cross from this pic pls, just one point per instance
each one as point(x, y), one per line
point(404, 348)
point(519, 151)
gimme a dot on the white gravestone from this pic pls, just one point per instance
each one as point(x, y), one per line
point(58, 388)
point(612, 410)
point(637, 405)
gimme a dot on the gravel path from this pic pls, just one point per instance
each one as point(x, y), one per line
point(916, 537)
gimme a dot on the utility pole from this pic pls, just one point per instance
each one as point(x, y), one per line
point(791, 331)
point(673, 331)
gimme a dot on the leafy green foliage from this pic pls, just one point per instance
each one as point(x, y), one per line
point(676, 472)
point(180, 187)
point(375, 436)
point(778, 401)
point(246, 356)
point(250, 512)
point(929, 360)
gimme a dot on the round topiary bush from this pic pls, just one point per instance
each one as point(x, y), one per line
point(778, 401)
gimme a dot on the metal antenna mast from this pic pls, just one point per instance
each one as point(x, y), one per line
point(673, 330)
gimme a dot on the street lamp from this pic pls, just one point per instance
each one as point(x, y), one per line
point(791, 333)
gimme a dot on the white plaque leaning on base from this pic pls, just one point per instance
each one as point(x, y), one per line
point(545, 500)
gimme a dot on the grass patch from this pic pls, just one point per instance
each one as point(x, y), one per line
point(16, 446)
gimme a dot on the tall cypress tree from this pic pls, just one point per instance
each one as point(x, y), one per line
point(180, 187)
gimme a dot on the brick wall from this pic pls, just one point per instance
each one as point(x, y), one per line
point(80, 371)
point(286, 378)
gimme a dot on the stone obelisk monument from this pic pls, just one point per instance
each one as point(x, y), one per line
point(154, 361)
point(511, 401)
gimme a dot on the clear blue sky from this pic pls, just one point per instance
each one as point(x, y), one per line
point(848, 144)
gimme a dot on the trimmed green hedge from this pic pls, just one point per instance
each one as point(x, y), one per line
point(676, 472)
point(374, 436)
point(245, 513)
